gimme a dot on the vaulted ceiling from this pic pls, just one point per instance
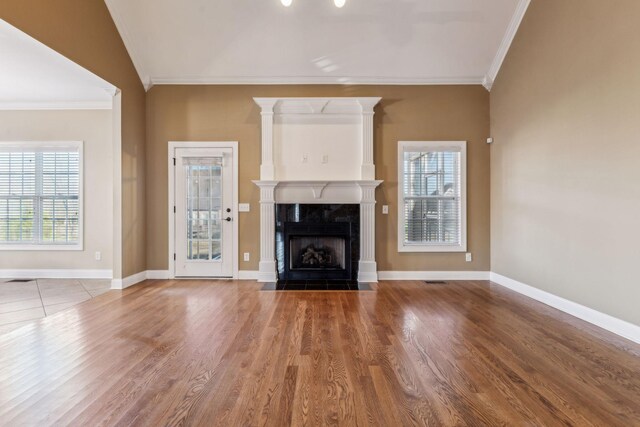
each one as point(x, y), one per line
point(33, 76)
point(313, 41)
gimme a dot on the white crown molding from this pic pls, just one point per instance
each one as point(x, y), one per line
point(328, 80)
point(318, 106)
point(55, 274)
point(612, 324)
point(433, 275)
point(60, 105)
point(130, 46)
point(512, 29)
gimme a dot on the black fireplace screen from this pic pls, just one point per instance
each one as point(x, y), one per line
point(317, 253)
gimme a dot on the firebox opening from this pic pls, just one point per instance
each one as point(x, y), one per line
point(317, 253)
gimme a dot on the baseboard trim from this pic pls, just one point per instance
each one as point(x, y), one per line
point(248, 275)
point(612, 324)
point(433, 275)
point(402, 275)
point(129, 281)
point(55, 274)
point(164, 275)
point(157, 274)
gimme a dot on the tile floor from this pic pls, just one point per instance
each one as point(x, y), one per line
point(24, 302)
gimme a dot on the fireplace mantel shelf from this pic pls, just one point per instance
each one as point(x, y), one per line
point(317, 182)
point(320, 191)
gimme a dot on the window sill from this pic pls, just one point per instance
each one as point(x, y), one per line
point(432, 248)
point(43, 248)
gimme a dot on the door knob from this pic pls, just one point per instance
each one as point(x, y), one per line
point(228, 219)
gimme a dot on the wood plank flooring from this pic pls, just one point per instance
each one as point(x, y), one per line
point(224, 353)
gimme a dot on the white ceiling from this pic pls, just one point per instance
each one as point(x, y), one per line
point(33, 76)
point(367, 41)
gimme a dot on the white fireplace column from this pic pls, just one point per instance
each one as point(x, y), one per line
point(368, 167)
point(267, 170)
point(267, 267)
point(367, 267)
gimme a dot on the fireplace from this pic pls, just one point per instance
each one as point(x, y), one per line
point(317, 242)
point(334, 138)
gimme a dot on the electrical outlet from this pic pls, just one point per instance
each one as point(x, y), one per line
point(325, 159)
point(385, 209)
point(98, 256)
point(469, 258)
point(247, 256)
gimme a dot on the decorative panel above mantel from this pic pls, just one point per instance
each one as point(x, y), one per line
point(317, 139)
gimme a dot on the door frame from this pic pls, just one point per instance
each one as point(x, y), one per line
point(173, 145)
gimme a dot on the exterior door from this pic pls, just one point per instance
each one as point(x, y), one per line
point(203, 212)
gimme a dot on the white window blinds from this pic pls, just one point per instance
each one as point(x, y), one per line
point(40, 195)
point(432, 196)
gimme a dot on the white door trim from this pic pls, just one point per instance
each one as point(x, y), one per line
point(116, 266)
point(173, 145)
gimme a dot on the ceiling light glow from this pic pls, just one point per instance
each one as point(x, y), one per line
point(339, 3)
point(286, 3)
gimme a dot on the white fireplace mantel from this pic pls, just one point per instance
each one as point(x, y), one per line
point(326, 192)
point(317, 150)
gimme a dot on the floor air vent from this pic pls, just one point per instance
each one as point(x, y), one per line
point(21, 280)
point(435, 282)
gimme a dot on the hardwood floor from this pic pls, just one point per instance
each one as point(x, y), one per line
point(405, 353)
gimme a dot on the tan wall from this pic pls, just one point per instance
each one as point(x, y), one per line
point(94, 128)
point(223, 113)
point(565, 115)
point(83, 31)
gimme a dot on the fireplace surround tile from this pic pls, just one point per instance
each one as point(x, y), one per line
point(315, 215)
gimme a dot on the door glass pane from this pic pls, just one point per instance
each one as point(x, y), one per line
point(204, 208)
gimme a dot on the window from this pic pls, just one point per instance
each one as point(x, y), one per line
point(432, 196)
point(41, 196)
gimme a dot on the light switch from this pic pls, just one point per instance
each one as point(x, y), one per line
point(244, 207)
point(247, 256)
point(385, 209)
point(325, 158)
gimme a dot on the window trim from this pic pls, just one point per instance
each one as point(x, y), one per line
point(57, 145)
point(426, 146)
